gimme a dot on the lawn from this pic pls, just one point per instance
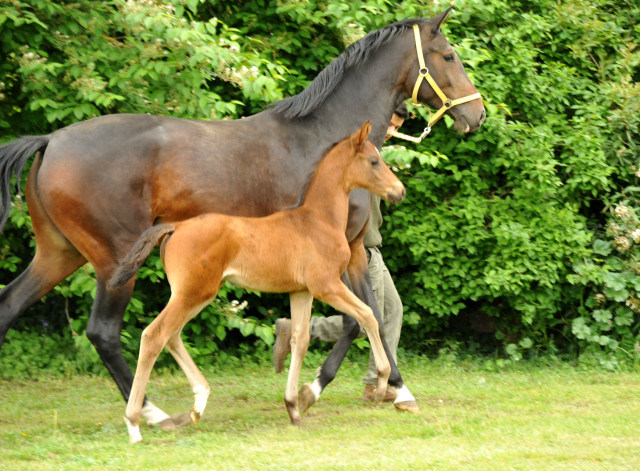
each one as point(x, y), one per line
point(524, 418)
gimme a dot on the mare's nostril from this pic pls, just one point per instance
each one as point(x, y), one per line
point(483, 116)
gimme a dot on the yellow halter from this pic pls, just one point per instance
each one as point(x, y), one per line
point(447, 103)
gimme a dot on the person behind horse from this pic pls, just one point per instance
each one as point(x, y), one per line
point(329, 329)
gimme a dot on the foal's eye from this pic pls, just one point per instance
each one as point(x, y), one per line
point(450, 57)
point(374, 160)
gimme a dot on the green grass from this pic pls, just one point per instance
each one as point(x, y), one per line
point(525, 418)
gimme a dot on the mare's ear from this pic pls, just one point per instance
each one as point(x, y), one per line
point(360, 137)
point(436, 21)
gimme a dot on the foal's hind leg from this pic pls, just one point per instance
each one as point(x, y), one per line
point(300, 315)
point(168, 323)
point(198, 383)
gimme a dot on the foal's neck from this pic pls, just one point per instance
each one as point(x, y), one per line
point(328, 190)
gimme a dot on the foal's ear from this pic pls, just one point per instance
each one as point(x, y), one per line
point(360, 137)
point(436, 21)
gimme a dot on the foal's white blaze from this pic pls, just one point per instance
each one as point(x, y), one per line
point(153, 414)
point(404, 395)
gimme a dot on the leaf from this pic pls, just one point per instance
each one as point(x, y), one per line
point(247, 328)
point(526, 343)
point(580, 328)
point(602, 315)
point(602, 247)
point(624, 317)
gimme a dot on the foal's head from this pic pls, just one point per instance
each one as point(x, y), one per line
point(368, 170)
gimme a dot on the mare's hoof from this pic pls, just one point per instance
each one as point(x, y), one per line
point(407, 406)
point(176, 421)
point(306, 398)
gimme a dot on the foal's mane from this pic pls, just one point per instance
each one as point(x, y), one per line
point(304, 103)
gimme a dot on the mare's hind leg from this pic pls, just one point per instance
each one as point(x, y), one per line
point(49, 267)
point(300, 315)
point(103, 329)
point(55, 259)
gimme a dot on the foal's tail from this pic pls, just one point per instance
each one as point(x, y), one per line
point(136, 257)
point(13, 158)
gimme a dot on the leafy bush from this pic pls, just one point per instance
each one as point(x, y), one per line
point(500, 226)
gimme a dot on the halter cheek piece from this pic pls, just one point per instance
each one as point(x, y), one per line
point(447, 103)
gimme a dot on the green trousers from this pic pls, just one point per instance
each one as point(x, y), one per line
point(329, 329)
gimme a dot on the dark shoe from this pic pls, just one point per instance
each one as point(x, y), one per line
point(369, 394)
point(282, 345)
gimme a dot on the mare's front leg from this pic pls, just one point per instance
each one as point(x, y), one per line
point(300, 315)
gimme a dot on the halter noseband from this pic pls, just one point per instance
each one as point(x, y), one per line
point(447, 103)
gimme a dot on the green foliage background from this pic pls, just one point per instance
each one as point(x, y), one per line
point(527, 230)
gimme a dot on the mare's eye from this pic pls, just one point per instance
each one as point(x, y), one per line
point(450, 57)
point(374, 160)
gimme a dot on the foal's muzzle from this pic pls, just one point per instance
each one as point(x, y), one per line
point(396, 193)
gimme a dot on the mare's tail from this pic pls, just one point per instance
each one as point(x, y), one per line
point(13, 158)
point(136, 257)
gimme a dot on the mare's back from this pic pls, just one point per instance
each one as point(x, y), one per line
point(167, 169)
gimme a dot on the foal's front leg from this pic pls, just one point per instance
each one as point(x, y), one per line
point(357, 279)
point(340, 298)
point(300, 314)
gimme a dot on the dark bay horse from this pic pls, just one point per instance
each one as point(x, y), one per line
point(301, 251)
point(95, 186)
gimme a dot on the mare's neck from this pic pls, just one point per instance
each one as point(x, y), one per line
point(370, 91)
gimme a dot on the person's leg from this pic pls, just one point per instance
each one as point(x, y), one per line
point(391, 309)
point(327, 329)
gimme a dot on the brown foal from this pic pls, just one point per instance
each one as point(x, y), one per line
point(301, 251)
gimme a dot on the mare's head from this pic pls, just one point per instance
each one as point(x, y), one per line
point(443, 65)
point(367, 169)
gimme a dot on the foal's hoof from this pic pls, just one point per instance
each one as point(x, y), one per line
point(306, 398)
point(407, 406)
point(195, 416)
point(176, 421)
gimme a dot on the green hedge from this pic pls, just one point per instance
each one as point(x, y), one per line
point(529, 226)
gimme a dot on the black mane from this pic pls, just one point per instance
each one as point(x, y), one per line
point(315, 94)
